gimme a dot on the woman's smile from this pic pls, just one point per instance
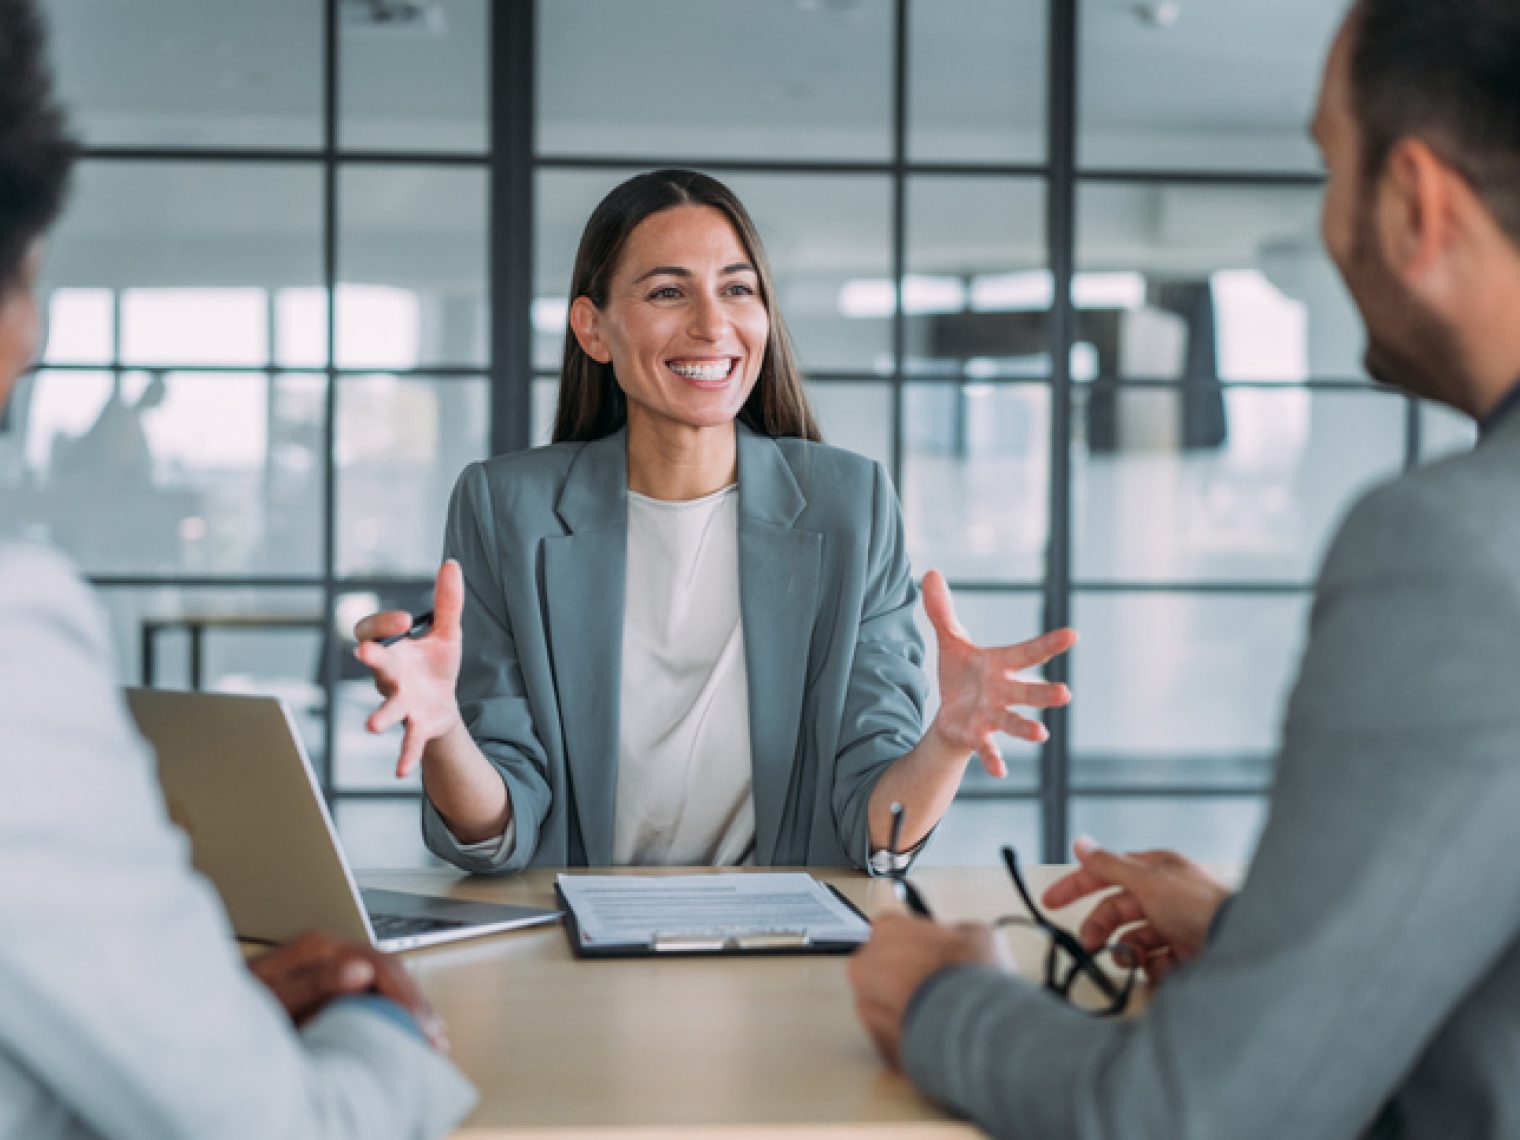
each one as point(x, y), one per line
point(710, 372)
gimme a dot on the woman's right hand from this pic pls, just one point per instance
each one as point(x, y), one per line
point(416, 676)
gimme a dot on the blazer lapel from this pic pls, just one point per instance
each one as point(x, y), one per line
point(779, 569)
point(584, 576)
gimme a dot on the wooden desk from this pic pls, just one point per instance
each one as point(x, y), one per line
point(645, 1048)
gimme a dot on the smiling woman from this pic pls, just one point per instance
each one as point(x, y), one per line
point(683, 633)
point(642, 254)
point(684, 319)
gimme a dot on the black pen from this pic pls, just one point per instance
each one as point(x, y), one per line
point(420, 625)
point(906, 892)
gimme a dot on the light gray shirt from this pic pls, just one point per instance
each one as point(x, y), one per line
point(125, 1007)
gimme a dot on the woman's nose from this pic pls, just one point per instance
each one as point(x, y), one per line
point(707, 320)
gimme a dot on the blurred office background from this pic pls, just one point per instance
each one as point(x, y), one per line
point(1054, 263)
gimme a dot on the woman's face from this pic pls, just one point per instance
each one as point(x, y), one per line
point(684, 326)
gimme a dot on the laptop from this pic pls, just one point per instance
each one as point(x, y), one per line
point(236, 778)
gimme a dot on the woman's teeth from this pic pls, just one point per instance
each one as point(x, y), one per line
point(718, 370)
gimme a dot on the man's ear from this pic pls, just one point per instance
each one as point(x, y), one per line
point(586, 324)
point(1416, 198)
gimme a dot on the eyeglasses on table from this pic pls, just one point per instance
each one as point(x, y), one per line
point(1089, 980)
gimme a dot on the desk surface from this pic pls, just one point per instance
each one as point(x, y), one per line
point(660, 1047)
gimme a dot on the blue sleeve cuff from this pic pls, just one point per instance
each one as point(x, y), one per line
point(383, 1007)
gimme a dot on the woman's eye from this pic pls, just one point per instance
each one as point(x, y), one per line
point(665, 293)
point(739, 289)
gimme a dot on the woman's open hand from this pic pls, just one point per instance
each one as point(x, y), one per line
point(978, 686)
point(416, 676)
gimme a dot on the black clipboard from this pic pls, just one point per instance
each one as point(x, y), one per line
point(706, 946)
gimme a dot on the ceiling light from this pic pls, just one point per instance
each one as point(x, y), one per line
point(1108, 290)
point(1032, 291)
point(392, 17)
point(1159, 13)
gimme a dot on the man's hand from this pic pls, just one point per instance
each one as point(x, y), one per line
point(902, 953)
point(308, 972)
point(1165, 900)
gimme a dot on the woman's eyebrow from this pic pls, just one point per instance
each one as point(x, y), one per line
point(682, 271)
point(663, 271)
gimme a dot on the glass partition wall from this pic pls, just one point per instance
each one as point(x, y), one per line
point(1054, 264)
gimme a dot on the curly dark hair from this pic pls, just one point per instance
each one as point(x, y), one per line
point(36, 150)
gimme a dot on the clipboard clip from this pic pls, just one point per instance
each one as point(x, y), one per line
point(719, 941)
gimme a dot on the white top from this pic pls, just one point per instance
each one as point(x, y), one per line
point(684, 763)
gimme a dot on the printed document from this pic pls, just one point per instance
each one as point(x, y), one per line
point(646, 910)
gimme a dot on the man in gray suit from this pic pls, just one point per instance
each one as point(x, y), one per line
point(1366, 977)
point(125, 1008)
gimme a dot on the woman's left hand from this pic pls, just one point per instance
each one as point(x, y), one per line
point(978, 686)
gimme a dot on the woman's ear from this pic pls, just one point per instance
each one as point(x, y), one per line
point(586, 324)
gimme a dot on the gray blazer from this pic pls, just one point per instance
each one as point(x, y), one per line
point(125, 1008)
point(836, 688)
point(1366, 979)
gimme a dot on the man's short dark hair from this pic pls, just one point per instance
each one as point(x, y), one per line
point(1447, 72)
point(36, 152)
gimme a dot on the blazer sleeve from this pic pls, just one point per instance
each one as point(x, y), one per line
point(123, 1000)
point(493, 698)
point(1380, 898)
point(884, 704)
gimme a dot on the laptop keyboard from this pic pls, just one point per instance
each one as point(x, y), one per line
point(403, 926)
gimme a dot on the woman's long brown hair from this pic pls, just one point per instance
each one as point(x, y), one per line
point(591, 405)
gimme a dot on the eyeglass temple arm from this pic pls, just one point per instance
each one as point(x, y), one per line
point(1011, 860)
point(1083, 962)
